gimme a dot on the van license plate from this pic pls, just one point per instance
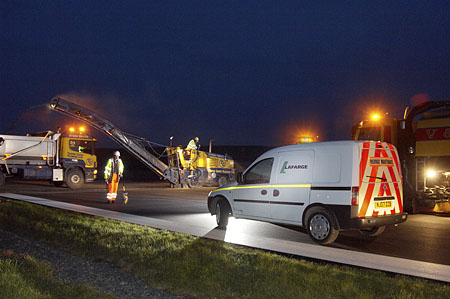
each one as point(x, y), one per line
point(383, 204)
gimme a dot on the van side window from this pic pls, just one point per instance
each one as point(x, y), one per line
point(259, 173)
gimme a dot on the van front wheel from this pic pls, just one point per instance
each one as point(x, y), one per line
point(222, 213)
point(320, 226)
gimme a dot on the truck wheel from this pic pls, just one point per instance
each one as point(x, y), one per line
point(222, 181)
point(2, 179)
point(75, 179)
point(373, 232)
point(321, 226)
point(194, 180)
point(222, 213)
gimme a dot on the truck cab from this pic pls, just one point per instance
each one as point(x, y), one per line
point(78, 159)
point(382, 129)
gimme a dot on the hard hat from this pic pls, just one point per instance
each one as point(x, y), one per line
point(117, 153)
point(196, 139)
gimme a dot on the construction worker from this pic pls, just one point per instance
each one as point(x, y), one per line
point(193, 146)
point(113, 173)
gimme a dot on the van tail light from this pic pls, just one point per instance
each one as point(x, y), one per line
point(355, 199)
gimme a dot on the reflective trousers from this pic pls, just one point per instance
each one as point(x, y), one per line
point(112, 188)
point(194, 160)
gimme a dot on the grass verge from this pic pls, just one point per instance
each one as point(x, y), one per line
point(26, 277)
point(198, 267)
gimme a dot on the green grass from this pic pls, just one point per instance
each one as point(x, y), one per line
point(26, 277)
point(184, 264)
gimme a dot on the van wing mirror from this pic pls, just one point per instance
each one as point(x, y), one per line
point(240, 178)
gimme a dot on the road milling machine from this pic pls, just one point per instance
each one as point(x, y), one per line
point(184, 167)
point(59, 157)
point(422, 138)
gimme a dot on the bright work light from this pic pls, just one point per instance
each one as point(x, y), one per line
point(431, 173)
point(375, 116)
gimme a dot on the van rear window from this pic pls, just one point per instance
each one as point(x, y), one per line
point(379, 163)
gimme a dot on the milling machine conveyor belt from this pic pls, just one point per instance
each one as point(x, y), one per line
point(127, 141)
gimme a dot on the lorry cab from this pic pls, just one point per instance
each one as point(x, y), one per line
point(382, 129)
point(325, 187)
point(77, 157)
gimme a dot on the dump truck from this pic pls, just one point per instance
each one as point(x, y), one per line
point(184, 168)
point(422, 137)
point(54, 156)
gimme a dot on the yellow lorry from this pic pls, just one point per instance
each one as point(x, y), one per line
point(58, 157)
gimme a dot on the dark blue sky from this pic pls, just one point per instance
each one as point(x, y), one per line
point(242, 72)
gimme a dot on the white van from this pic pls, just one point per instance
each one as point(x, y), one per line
point(325, 187)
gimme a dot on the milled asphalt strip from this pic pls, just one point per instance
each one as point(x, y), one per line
point(336, 255)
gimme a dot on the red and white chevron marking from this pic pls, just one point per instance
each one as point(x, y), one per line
point(377, 181)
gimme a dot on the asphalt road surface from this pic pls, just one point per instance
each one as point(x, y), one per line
point(421, 237)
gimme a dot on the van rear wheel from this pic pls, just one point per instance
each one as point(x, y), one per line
point(321, 226)
point(222, 213)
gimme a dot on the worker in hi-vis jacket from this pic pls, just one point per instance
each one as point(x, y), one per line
point(193, 146)
point(113, 173)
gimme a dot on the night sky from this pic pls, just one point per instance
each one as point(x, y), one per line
point(241, 72)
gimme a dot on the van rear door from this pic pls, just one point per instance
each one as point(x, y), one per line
point(380, 180)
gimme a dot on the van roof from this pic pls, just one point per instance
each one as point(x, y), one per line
point(314, 145)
